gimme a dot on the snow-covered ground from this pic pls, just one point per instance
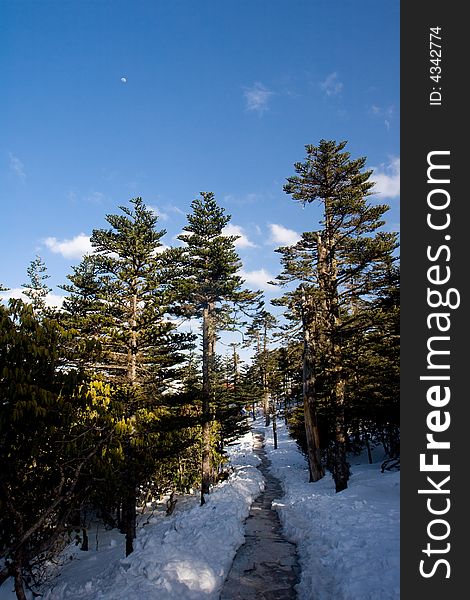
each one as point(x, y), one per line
point(348, 543)
point(186, 556)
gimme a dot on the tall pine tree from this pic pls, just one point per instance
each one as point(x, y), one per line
point(118, 296)
point(209, 288)
point(342, 254)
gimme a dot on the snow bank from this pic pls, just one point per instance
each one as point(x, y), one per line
point(186, 556)
point(348, 543)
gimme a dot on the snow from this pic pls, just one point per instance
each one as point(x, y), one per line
point(348, 543)
point(184, 556)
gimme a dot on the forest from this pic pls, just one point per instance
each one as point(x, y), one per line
point(111, 401)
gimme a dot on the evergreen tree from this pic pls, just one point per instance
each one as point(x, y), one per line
point(335, 262)
point(259, 334)
point(118, 296)
point(229, 400)
point(302, 308)
point(251, 388)
point(37, 289)
point(52, 427)
point(208, 288)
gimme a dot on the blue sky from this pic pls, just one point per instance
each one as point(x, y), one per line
point(219, 95)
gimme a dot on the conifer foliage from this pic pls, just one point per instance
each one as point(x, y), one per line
point(335, 266)
point(117, 295)
point(259, 335)
point(51, 429)
point(208, 288)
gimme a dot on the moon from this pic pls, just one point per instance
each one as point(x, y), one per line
point(124, 80)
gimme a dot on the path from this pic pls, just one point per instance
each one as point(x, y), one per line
point(265, 567)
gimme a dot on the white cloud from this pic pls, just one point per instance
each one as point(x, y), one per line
point(161, 249)
point(52, 300)
point(386, 113)
point(95, 197)
point(73, 248)
point(175, 209)
point(249, 198)
point(257, 98)
point(387, 178)
point(17, 293)
point(332, 86)
point(242, 241)
point(283, 236)
point(160, 214)
point(17, 166)
point(258, 279)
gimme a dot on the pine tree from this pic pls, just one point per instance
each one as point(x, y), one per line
point(229, 400)
point(208, 289)
point(258, 335)
point(302, 309)
point(336, 262)
point(37, 289)
point(250, 387)
point(118, 296)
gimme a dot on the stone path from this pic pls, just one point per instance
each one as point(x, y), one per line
point(265, 567)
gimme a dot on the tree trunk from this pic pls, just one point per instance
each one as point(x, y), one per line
point(84, 545)
point(132, 364)
point(18, 577)
point(366, 440)
point(394, 441)
point(130, 499)
point(130, 512)
point(208, 348)
point(383, 439)
point(120, 518)
point(340, 467)
point(311, 427)
point(267, 416)
point(330, 323)
point(316, 470)
point(275, 429)
point(206, 460)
